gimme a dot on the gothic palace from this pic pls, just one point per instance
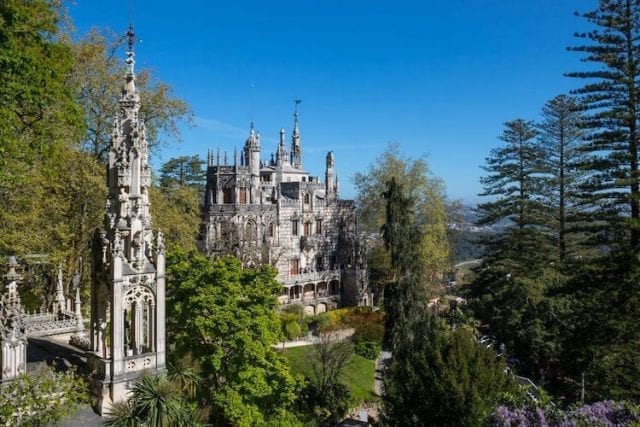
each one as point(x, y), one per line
point(274, 211)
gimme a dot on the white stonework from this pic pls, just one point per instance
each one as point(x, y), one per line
point(13, 332)
point(128, 283)
point(275, 212)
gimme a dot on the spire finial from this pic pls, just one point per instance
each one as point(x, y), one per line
point(295, 116)
point(130, 86)
point(131, 37)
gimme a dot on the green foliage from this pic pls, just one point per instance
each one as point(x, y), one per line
point(52, 195)
point(183, 171)
point(369, 332)
point(224, 316)
point(176, 211)
point(153, 401)
point(514, 184)
point(97, 81)
point(561, 133)
point(610, 97)
point(442, 377)
point(368, 349)
point(37, 111)
point(427, 201)
point(405, 297)
point(292, 330)
point(326, 396)
point(40, 397)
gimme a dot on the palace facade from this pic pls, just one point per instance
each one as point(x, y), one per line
point(275, 212)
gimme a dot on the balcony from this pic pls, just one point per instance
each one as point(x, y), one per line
point(288, 279)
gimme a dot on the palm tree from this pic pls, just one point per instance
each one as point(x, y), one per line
point(121, 414)
point(155, 402)
point(185, 373)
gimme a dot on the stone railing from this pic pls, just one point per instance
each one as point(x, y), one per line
point(288, 279)
point(47, 324)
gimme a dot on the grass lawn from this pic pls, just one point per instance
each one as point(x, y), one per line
point(358, 375)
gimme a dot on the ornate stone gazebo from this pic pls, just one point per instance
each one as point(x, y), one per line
point(128, 284)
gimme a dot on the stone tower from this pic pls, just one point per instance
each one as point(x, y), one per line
point(13, 334)
point(330, 178)
point(128, 283)
point(296, 147)
point(253, 154)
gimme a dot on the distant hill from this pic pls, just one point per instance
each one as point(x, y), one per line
point(465, 234)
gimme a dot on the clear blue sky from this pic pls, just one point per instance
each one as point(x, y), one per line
point(438, 77)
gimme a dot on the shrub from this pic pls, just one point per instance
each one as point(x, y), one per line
point(335, 318)
point(368, 332)
point(292, 330)
point(603, 413)
point(368, 349)
point(40, 397)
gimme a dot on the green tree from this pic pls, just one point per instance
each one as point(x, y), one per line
point(428, 202)
point(37, 110)
point(183, 171)
point(611, 98)
point(327, 397)
point(514, 184)
point(560, 139)
point(176, 211)
point(224, 316)
point(153, 401)
point(45, 184)
point(96, 80)
point(442, 377)
point(405, 296)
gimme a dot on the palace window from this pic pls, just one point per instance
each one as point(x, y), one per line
point(270, 230)
point(243, 196)
point(318, 226)
point(294, 227)
point(226, 196)
point(307, 228)
point(307, 199)
point(295, 266)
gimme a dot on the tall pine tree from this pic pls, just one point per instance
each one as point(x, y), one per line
point(560, 139)
point(611, 97)
point(514, 185)
point(405, 296)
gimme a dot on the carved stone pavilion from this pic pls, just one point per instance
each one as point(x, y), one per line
point(128, 283)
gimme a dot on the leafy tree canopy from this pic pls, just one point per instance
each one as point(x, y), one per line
point(97, 83)
point(427, 202)
point(224, 315)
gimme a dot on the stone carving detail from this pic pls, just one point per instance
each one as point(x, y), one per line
point(139, 294)
point(13, 332)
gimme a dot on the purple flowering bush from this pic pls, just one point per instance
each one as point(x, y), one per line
point(605, 413)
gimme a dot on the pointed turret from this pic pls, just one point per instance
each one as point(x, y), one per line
point(59, 302)
point(252, 158)
point(330, 182)
point(296, 147)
